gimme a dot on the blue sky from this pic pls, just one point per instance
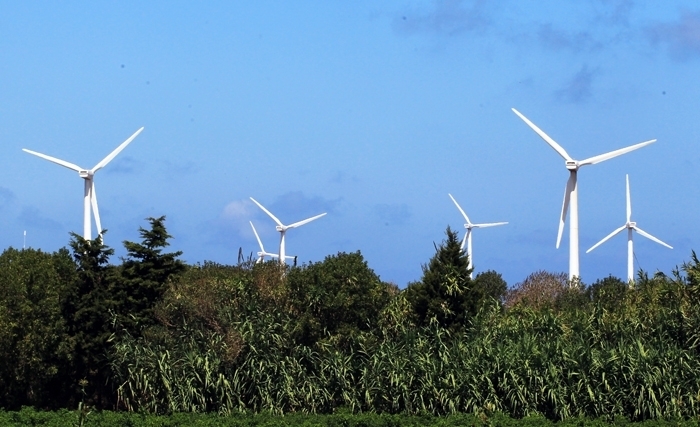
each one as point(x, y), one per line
point(370, 111)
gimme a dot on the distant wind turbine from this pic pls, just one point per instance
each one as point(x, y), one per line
point(262, 253)
point(90, 197)
point(468, 235)
point(283, 228)
point(571, 191)
point(630, 226)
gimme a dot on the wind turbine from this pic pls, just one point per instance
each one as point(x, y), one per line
point(262, 253)
point(283, 228)
point(630, 226)
point(571, 190)
point(468, 235)
point(90, 197)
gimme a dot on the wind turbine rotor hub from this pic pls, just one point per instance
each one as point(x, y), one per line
point(572, 165)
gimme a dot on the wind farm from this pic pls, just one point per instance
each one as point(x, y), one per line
point(347, 123)
point(374, 149)
point(571, 191)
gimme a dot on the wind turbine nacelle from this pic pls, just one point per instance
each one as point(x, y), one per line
point(631, 224)
point(572, 165)
point(85, 174)
point(279, 228)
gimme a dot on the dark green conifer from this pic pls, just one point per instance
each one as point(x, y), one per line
point(145, 275)
point(445, 292)
point(88, 307)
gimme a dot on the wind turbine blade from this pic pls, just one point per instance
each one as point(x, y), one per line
point(464, 239)
point(262, 249)
point(558, 148)
point(565, 206)
point(95, 211)
point(460, 208)
point(607, 237)
point(650, 237)
point(607, 156)
point(274, 218)
point(489, 224)
point(297, 224)
point(116, 151)
point(55, 160)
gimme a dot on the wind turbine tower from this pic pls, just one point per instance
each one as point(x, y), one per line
point(571, 190)
point(630, 226)
point(88, 175)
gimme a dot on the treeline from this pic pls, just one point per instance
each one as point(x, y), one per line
point(157, 336)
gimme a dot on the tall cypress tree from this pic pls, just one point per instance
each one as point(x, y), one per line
point(445, 292)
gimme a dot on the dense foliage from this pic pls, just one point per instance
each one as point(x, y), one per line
point(446, 293)
point(155, 336)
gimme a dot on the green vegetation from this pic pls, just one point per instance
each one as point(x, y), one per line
point(154, 336)
point(62, 418)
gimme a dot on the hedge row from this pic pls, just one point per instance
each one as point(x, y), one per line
point(62, 418)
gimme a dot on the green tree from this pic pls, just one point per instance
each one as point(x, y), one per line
point(341, 294)
point(491, 286)
point(34, 348)
point(144, 276)
point(445, 293)
point(609, 292)
point(88, 309)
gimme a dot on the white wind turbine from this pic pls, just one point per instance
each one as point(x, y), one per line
point(468, 235)
point(90, 197)
point(630, 226)
point(262, 253)
point(571, 191)
point(283, 228)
